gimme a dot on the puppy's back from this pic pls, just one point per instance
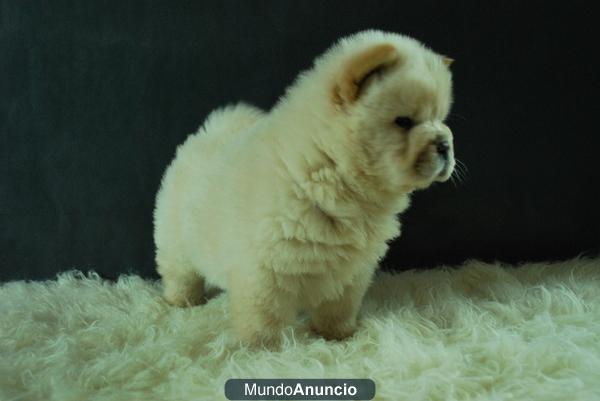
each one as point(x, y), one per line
point(196, 166)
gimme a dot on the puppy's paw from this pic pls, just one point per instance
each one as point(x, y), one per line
point(184, 302)
point(184, 296)
point(334, 331)
point(181, 288)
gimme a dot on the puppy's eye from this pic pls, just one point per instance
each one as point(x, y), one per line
point(404, 122)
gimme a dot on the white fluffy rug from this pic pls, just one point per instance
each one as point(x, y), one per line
point(482, 332)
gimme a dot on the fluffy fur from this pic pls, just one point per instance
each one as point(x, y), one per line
point(482, 332)
point(291, 210)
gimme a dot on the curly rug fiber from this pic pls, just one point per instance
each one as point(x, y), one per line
point(479, 332)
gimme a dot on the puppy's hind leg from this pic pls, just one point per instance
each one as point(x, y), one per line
point(182, 286)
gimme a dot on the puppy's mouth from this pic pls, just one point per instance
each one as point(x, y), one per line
point(446, 169)
point(434, 165)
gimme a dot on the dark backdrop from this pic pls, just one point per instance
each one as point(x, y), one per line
point(95, 96)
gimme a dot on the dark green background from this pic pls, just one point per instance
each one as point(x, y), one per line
point(95, 96)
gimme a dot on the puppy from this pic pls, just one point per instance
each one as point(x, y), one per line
point(292, 209)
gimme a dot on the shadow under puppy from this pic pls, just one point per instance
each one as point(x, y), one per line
point(292, 209)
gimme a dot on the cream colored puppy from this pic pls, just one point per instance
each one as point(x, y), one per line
point(292, 209)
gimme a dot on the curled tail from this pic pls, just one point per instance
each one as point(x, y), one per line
point(230, 120)
point(217, 131)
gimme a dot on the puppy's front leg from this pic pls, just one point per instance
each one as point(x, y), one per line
point(259, 309)
point(336, 319)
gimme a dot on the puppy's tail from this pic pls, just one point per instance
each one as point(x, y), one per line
point(230, 120)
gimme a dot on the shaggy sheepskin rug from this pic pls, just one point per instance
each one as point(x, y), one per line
point(478, 332)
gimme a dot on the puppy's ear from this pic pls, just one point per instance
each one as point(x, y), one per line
point(447, 60)
point(360, 67)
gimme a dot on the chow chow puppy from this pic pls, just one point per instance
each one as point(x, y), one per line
point(291, 209)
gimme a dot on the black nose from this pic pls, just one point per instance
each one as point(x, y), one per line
point(442, 148)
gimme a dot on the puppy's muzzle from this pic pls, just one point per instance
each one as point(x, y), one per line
point(443, 148)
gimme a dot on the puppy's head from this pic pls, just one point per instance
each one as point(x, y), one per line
point(393, 95)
